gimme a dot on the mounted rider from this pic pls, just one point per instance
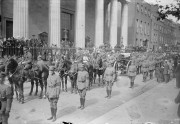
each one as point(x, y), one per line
point(44, 71)
point(28, 58)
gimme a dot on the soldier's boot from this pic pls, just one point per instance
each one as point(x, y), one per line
point(80, 103)
point(109, 94)
point(83, 102)
point(132, 85)
point(54, 115)
point(107, 91)
point(52, 111)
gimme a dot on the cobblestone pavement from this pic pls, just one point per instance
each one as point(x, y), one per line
point(36, 111)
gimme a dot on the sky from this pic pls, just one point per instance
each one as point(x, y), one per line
point(164, 2)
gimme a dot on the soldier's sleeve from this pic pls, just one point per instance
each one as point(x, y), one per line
point(58, 84)
point(177, 99)
point(87, 79)
point(114, 74)
point(9, 96)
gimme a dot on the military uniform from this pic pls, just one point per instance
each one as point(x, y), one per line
point(145, 70)
point(28, 60)
point(44, 70)
point(6, 98)
point(53, 92)
point(132, 73)
point(109, 78)
point(151, 68)
point(82, 83)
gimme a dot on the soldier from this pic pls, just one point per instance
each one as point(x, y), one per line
point(109, 77)
point(82, 84)
point(151, 68)
point(53, 91)
point(132, 73)
point(44, 70)
point(6, 98)
point(27, 61)
point(145, 70)
point(166, 71)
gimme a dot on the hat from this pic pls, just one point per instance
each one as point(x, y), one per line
point(39, 57)
point(1, 62)
point(25, 48)
point(80, 65)
point(51, 68)
point(2, 74)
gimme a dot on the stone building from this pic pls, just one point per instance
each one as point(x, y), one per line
point(100, 20)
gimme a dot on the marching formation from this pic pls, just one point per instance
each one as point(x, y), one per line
point(82, 71)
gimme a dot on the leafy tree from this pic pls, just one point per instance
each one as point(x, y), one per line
point(170, 9)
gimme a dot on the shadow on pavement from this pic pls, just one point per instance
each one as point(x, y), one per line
point(90, 102)
point(115, 93)
point(66, 111)
point(30, 98)
point(35, 121)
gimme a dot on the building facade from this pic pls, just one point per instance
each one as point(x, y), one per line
point(116, 22)
point(75, 20)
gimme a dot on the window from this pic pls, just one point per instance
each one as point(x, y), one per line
point(137, 26)
point(138, 8)
point(145, 11)
point(141, 28)
point(145, 28)
point(142, 8)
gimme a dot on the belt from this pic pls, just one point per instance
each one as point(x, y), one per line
point(3, 99)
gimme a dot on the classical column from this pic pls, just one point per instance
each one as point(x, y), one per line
point(99, 24)
point(20, 18)
point(55, 23)
point(124, 31)
point(113, 23)
point(119, 23)
point(80, 24)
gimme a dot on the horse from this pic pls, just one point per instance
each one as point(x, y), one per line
point(99, 70)
point(63, 68)
point(17, 77)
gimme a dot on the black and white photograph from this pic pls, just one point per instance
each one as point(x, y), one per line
point(89, 61)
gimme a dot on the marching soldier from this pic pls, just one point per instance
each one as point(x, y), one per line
point(145, 70)
point(6, 98)
point(82, 84)
point(132, 73)
point(151, 68)
point(109, 77)
point(53, 91)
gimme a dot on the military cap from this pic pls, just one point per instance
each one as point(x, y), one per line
point(39, 57)
point(51, 68)
point(2, 75)
point(1, 62)
point(80, 65)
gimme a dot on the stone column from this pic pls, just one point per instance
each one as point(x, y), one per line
point(80, 24)
point(113, 23)
point(55, 23)
point(20, 18)
point(124, 32)
point(99, 24)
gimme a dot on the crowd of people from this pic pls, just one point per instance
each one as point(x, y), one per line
point(147, 63)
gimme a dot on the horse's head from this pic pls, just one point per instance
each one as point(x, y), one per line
point(11, 65)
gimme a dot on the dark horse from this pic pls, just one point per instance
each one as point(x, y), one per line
point(16, 77)
point(99, 70)
point(63, 68)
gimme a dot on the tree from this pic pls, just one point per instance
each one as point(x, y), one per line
point(171, 9)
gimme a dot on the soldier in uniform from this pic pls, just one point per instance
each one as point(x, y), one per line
point(6, 98)
point(151, 68)
point(27, 61)
point(132, 73)
point(109, 77)
point(145, 70)
point(82, 84)
point(44, 70)
point(53, 91)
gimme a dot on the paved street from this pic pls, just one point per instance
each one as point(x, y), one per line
point(148, 101)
